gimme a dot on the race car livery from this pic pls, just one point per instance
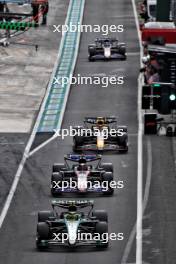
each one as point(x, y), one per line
point(82, 174)
point(69, 224)
point(107, 48)
point(100, 134)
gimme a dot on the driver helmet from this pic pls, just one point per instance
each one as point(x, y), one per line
point(100, 121)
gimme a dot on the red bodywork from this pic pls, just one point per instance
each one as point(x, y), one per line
point(167, 33)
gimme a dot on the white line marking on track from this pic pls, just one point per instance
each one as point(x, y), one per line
point(137, 229)
point(145, 202)
point(42, 145)
point(15, 182)
point(140, 154)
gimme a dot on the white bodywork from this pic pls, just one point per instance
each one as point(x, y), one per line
point(72, 228)
point(107, 52)
point(82, 180)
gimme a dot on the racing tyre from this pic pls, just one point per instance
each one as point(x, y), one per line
point(57, 167)
point(101, 228)
point(124, 129)
point(100, 215)
point(56, 177)
point(91, 50)
point(124, 58)
point(123, 143)
point(44, 216)
point(108, 177)
point(107, 167)
point(77, 142)
point(42, 234)
point(91, 58)
point(122, 49)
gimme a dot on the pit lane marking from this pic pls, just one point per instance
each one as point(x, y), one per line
point(145, 202)
point(137, 229)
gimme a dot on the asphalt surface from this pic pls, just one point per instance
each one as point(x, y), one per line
point(159, 229)
point(17, 236)
point(20, 97)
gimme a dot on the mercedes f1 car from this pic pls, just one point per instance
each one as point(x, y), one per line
point(107, 48)
point(100, 133)
point(82, 174)
point(70, 224)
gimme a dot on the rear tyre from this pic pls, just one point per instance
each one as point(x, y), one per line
point(123, 142)
point(91, 58)
point(122, 50)
point(100, 215)
point(124, 58)
point(57, 167)
point(108, 167)
point(55, 179)
point(43, 216)
point(77, 142)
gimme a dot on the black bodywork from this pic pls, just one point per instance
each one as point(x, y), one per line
point(86, 137)
point(54, 226)
point(86, 169)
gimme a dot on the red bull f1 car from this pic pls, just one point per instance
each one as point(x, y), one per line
point(100, 134)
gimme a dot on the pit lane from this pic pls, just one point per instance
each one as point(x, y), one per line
point(33, 192)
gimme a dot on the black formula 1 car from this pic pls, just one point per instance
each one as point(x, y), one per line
point(82, 174)
point(106, 49)
point(99, 134)
point(72, 225)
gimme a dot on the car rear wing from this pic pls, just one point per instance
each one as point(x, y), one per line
point(93, 120)
point(67, 203)
point(102, 40)
point(77, 157)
